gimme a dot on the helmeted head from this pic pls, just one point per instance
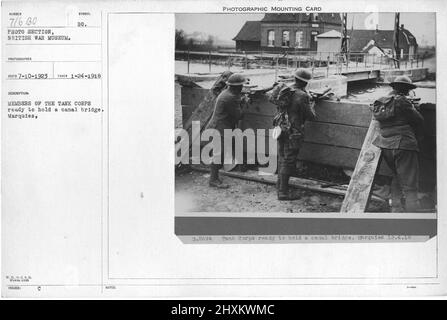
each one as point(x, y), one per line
point(302, 77)
point(236, 82)
point(236, 79)
point(402, 84)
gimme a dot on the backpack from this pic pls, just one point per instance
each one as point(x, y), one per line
point(383, 108)
point(281, 96)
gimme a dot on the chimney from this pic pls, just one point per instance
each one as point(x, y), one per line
point(401, 26)
point(377, 28)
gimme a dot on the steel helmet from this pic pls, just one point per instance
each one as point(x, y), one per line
point(303, 75)
point(236, 79)
point(403, 80)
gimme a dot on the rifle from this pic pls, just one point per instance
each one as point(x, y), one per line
point(250, 91)
point(415, 102)
point(321, 95)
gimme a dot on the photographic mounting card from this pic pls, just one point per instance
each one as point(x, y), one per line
point(134, 164)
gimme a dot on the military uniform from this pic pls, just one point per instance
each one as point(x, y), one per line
point(294, 108)
point(399, 144)
point(299, 110)
point(227, 113)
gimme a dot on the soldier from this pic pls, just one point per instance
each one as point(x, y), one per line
point(227, 113)
point(296, 112)
point(399, 123)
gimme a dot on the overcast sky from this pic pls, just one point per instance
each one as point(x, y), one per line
point(226, 26)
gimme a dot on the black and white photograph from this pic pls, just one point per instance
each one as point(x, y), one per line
point(333, 112)
point(223, 150)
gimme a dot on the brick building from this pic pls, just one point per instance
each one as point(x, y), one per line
point(283, 32)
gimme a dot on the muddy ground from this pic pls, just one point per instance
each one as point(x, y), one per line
point(194, 195)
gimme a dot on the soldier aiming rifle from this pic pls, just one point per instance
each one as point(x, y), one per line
point(226, 115)
point(400, 131)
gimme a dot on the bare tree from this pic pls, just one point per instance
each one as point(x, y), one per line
point(190, 43)
point(179, 38)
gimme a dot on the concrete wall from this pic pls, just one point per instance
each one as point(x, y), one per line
point(339, 85)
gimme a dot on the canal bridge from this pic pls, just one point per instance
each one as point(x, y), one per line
point(355, 66)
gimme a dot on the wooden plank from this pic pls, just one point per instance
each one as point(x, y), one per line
point(337, 156)
point(329, 155)
point(360, 186)
point(342, 157)
point(334, 134)
point(349, 113)
point(300, 183)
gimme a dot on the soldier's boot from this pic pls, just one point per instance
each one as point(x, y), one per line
point(411, 201)
point(396, 207)
point(397, 204)
point(284, 192)
point(214, 178)
point(397, 200)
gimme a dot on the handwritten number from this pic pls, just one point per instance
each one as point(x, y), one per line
point(18, 22)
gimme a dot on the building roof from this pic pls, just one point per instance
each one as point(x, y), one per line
point(303, 17)
point(250, 31)
point(359, 39)
point(330, 34)
point(370, 46)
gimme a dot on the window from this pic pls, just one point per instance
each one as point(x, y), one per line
point(299, 37)
point(271, 38)
point(285, 38)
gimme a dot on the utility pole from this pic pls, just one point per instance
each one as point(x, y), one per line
point(396, 39)
point(344, 36)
